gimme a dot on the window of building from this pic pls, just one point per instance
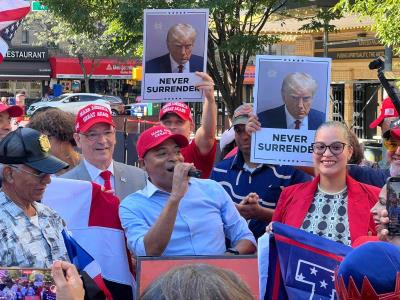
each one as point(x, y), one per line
point(25, 37)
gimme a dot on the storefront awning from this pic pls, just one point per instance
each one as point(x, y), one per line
point(68, 67)
point(24, 70)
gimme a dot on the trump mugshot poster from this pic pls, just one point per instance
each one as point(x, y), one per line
point(291, 99)
point(175, 47)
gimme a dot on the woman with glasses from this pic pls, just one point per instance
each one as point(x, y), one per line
point(333, 205)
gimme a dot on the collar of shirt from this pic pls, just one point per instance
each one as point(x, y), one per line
point(174, 66)
point(239, 163)
point(290, 121)
point(95, 172)
point(14, 210)
point(150, 189)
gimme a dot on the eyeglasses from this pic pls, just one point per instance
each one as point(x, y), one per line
point(91, 136)
point(40, 175)
point(391, 145)
point(336, 148)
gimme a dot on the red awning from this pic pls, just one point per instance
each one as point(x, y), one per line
point(249, 75)
point(68, 67)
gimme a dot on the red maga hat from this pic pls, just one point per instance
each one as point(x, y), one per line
point(155, 136)
point(13, 110)
point(90, 115)
point(387, 110)
point(179, 108)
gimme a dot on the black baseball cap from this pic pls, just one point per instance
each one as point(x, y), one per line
point(29, 147)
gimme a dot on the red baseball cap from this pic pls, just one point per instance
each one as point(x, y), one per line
point(179, 108)
point(90, 115)
point(393, 131)
point(155, 136)
point(387, 110)
point(13, 110)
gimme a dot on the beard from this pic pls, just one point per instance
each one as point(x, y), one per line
point(394, 170)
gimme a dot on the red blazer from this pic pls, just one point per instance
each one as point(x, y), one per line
point(295, 201)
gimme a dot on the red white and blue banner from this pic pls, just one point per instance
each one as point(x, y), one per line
point(92, 217)
point(11, 14)
point(295, 264)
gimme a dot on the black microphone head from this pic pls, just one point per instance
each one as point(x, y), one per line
point(376, 63)
point(194, 173)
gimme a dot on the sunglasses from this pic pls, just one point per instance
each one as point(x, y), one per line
point(391, 145)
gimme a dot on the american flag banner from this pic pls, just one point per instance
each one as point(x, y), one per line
point(92, 217)
point(11, 14)
point(301, 265)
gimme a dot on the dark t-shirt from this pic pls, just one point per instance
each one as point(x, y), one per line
point(368, 175)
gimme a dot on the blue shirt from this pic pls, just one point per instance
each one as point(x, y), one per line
point(206, 215)
point(267, 181)
point(368, 175)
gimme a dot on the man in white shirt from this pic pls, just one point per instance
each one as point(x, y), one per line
point(180, 43)
point(298, 90)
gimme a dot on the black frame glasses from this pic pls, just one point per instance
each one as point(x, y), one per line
point(335, 148)
point(41, 175)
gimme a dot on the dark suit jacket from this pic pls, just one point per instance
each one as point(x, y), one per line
point(162, 64)
point(276, 118)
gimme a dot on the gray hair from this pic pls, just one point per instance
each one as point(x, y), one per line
point(298, 81)
point(197, 281)
point(181, 31)
point(336, 124)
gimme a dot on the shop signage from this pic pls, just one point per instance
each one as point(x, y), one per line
point(357, 54)
point(349, 44)
point(27, 54)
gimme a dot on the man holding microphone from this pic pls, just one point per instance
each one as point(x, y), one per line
point(176, 214)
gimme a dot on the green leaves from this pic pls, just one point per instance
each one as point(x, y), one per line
point(385, 15)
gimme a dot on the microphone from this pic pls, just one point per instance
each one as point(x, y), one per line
point(376, 63)
point(193, 172)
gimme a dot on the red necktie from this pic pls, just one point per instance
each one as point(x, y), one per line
point(106, 175)
point(297, 122)
point(180, 69)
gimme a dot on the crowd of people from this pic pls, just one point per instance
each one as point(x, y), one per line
point(164, 210)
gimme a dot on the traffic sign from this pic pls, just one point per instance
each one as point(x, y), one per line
point(37, 6)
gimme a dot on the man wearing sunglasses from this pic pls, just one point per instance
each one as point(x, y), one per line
point(377, 177)
point(30, 231)
point(95, 135)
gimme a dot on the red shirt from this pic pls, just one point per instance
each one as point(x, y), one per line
point(202, 162)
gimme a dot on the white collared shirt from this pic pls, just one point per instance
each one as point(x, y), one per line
point(94, 173)
point(174, 66)
point(290, 121)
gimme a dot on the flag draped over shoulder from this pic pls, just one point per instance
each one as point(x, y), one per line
point(300, 265)
point(92, 217)
point(11, 14)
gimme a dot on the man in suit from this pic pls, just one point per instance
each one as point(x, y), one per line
point(95, 135)
point(180, 42)
point(298, 90)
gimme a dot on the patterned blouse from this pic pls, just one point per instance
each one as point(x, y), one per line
point(25, 244)
point(328, 217)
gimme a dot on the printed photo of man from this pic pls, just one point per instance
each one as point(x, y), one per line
point(180, 59)
point(298, 90)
